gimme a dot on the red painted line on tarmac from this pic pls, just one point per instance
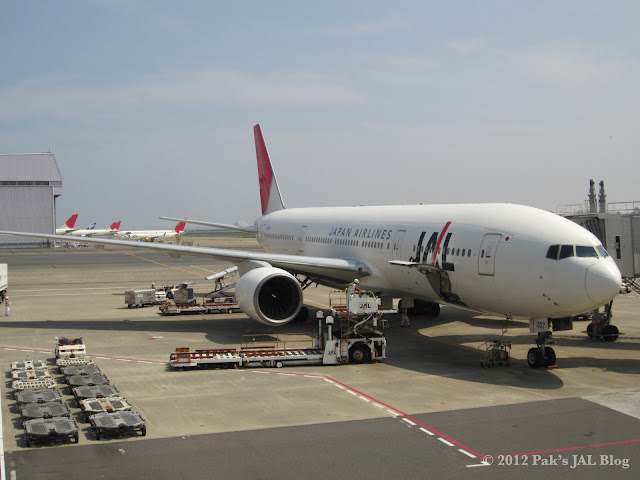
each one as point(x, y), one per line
point(400, 412)
point(581, 447)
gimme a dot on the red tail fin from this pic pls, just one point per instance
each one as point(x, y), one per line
point(113, 226)
point(180, 227)
point(269, 192)
point(118, 224)
point(72, 221)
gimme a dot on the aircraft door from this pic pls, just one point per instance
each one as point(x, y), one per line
point(397, 245)
point(303, 232)
point(487, 257)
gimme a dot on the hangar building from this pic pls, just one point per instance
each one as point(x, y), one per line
point(29, 186)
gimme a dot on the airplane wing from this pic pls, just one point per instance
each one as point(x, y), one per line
point(330, 268)
point(226, 226)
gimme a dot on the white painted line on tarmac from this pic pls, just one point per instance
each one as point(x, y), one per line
point(405, 419)
point(364, 399)
point(446, 442)
point(123, 359)
point(394, 414)
point(258, 371)
point(471, 455)
point(483, 464)
point(426, 431)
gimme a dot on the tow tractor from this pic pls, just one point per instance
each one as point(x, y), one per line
point(349, 334)
point(185, 302)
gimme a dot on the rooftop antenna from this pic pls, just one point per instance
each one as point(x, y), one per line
point(593, 206)
point(602, 198)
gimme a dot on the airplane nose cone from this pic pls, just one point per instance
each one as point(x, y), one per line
point(603, 281)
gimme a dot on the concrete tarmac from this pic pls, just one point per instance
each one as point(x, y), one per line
point(430, 408)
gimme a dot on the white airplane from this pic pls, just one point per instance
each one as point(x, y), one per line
point(92, 231)
point(69, 225)
point(502, 259)
point(153, 235)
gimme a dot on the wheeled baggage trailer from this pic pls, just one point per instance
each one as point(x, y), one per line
point(35, 384)
point(71, 370)
point(31, 374)
point(86, 380)
point(117, 423)
point(93, 406)
point(73, 361)
point(44, 410)
point(28, 365)
point(97, 391)
point(50, 430)
point(38, 396)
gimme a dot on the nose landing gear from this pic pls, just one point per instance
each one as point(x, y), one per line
point(542, 355)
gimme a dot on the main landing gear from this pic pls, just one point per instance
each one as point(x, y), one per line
point(542, 355)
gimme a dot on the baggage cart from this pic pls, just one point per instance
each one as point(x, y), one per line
point(50, 430)
point(117, 423)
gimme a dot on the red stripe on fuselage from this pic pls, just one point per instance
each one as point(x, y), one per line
point(437, 250)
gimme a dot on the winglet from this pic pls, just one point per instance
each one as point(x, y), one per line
point(269, 192)
point(72, 221)
point(180, 227)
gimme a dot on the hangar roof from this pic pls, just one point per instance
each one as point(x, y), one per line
point(25, 169)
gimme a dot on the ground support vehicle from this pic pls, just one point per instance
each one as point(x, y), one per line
point(218, 304)
point(86, 380)
point(32, 374)
point(117, 423)
point(142, 298)
point(50, 430)
point(356, 340)
point(44, 410)
point(35, 384)
point(28, 365)
point(97, 391)
point(42, 396)
point(71, 352)
point(71, 370)
point(93, 406)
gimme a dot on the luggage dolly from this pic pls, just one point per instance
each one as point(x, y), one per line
point(117, 423)
point(50, 430)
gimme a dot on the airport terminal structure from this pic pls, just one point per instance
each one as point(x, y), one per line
point(29, 186)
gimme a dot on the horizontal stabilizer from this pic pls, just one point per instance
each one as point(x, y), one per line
point(225, 226)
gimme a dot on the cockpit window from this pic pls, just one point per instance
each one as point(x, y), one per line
point(566, 251)
point(552, 253)
point(602, 251)
point(586, 251)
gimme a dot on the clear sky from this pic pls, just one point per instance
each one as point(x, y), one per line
point(148, 106)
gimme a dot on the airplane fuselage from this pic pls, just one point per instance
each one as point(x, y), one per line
point(485, 257)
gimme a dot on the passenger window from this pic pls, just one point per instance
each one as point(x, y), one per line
point(566, 251)
point(552, 253)
point(586, 251)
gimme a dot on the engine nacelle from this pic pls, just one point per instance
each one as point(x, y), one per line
point(269, 295)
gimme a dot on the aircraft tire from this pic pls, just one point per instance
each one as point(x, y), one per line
point(534, 358)
point(590, 330)
point(610, 333)
point(550, 356)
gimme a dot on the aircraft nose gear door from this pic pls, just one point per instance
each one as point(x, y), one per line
point(487, 257)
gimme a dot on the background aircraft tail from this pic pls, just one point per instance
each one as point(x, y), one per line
point(71, 223)
point(180, 227)
point(92, 226)
point(115, 225)
point(269, 191)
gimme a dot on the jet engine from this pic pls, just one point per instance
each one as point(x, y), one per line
point(269, 295)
